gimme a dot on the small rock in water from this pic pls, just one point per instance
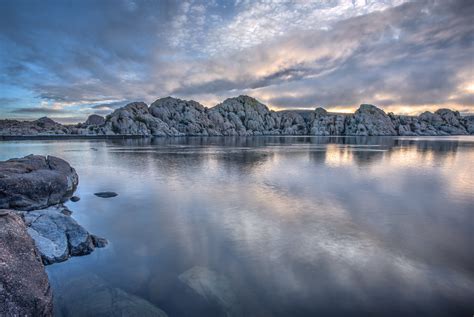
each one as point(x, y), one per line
point(66, 211)
point(75, 198)
point(98, 241)
point(106, 194)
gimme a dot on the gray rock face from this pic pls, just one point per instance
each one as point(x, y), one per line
point(135, 119)
point(95, 119)
point(58, 236)
point(369, 120)
point(325, 124)
point(469, 124)
point(24, 286)
point(35, 182)
point(245, 116)
point(42, 126)
point(186, 117)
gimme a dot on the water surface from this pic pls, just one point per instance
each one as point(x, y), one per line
point(280, 226)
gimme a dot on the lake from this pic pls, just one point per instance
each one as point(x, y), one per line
point(270, 226)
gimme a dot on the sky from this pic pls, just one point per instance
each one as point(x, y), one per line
point(68, 59)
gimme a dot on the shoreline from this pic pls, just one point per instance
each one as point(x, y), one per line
point(135, 136)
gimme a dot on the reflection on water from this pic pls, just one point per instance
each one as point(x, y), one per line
point(270, 226)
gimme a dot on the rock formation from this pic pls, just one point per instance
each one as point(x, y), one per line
point(182, 117)
point(325, 124)
point(58, 236)
point(35, 182)
point(94, 120)
point(36, 186)
point(42, 126)
point(245, 116)
point(24, 286)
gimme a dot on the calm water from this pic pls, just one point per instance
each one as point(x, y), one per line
point(278, 226)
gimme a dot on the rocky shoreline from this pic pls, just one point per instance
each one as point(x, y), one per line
point(243, 116)
point(36, 229)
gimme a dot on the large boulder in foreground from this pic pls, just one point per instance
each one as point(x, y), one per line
point(24, 286)
point(35, 182)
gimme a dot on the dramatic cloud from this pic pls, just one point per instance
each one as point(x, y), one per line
point(84, 57)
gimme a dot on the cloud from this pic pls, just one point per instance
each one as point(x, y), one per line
point(6, 101)
point(111, 105)
point(84, 55)
point(398, 56)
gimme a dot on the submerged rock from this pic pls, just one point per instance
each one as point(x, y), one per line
point(58, 236)
point(213, 287)
point(75, 199)
point(106, 194)
point(35, 182)
point(91, 296)
point(24, 286)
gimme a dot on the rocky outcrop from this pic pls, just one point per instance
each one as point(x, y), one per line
point(31, 237)
point(324, 124)
point(95, 119)
point(24, 286)
point(35, 182)
point(469, 124)
point(135, 119)
point(36, 186)
point(58, 236)
point(245, 116)
point(186, 117)
point(369, 120)
point(42, 126)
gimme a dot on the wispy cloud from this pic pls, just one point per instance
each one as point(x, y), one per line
point(288, 54)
